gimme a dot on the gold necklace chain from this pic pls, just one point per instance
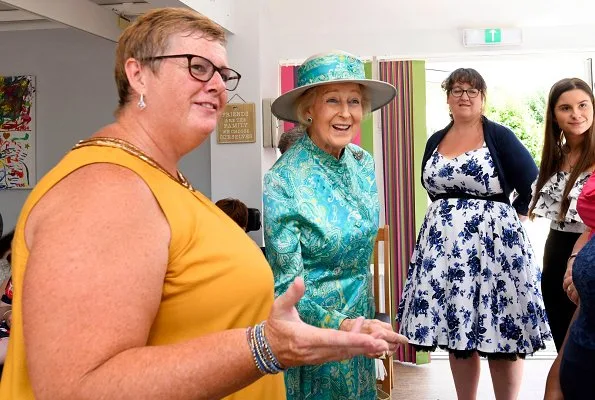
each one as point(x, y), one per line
point(134, 151)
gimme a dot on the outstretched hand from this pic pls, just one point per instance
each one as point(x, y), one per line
point(296, 343)
point(380, 330)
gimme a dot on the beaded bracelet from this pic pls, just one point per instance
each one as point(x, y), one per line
point(264, 359)
point(260, 352)
point(271, 363)
point(268, 350)
point(255, 357)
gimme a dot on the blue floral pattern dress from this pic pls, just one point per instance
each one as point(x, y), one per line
point(473, 284)
point(320, 222)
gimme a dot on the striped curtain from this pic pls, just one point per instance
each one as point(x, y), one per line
point(399, 184)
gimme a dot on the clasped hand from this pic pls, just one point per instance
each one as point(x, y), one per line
point(568, 284)
point(296, 343)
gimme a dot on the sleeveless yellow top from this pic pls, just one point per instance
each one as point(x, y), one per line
point(217, 278)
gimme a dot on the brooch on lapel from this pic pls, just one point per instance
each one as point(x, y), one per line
point(358, 155)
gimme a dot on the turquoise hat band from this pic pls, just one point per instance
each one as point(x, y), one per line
point(329, 68)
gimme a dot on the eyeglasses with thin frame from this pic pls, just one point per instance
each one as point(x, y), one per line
point(471, 92)
point(202, 69)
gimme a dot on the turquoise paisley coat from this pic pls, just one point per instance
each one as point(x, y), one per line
point(320, 222)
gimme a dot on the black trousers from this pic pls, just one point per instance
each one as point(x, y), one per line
point(558, 307)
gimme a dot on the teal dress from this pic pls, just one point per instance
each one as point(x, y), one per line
point(320, 222)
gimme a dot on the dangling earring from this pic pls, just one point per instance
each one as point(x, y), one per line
point(141, 102)
point(309, 120)
point(563, 145)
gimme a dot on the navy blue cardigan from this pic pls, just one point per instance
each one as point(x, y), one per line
point(515, 168)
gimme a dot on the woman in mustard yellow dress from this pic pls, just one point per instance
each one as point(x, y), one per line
point(123, 272)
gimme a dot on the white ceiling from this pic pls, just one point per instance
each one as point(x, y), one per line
point(130, 8)
point(434, 14)
point(104, 18)
point(97, 16)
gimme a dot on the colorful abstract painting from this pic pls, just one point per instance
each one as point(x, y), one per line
point(17, 132)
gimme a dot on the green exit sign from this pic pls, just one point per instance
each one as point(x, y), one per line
point(493, 35)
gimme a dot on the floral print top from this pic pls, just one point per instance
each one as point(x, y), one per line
point(550, 199)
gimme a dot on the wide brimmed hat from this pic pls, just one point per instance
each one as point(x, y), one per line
point(326, 68)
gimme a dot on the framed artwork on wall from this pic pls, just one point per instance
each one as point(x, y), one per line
point(17, 132)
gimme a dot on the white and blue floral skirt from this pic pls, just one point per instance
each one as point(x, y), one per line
point(473, 283)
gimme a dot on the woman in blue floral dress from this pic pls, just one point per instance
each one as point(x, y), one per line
point(473, 283)
point(321, 217)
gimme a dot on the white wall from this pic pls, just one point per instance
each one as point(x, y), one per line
point(430, 30)
point(236, 169)
point(76, 95)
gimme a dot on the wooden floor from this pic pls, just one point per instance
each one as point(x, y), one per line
point(434, 381)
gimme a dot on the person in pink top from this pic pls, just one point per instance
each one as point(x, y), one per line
point(586, 205)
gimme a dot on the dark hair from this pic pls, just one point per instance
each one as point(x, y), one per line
point(288, 138)
point(465, 75)
point(552, 154)
point(6, 243)
point(236, 210)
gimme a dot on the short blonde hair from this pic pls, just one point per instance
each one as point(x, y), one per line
point(307, 99)
point(149, 36)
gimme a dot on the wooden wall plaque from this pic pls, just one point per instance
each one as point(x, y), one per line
point(237, 124)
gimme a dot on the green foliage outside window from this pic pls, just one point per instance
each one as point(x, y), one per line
point(524, 116)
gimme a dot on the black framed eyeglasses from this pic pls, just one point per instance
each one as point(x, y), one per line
point(471, 92)
point(202, 69)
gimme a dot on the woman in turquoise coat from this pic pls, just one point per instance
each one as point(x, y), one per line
point(321, 217)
